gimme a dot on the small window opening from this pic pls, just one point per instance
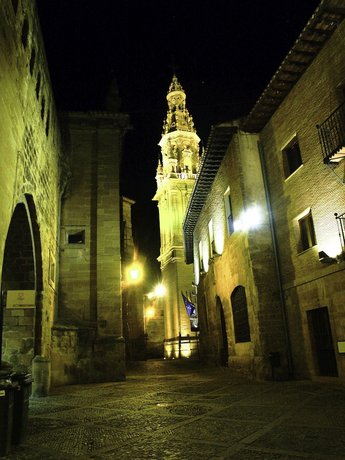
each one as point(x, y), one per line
point(76, 237)
point(25, 32)
point(38, 85)
point(211, 242)
point(32, 61)
point(307, 232)
point(228, 213)
point(47, 123)
point(15, 5)
point(201, 258)
point(43, 104)
point(292, 159)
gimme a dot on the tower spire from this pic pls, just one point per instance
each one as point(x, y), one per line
point(178, 117)
point(176, 175)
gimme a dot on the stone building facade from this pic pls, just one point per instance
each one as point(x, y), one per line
point(175, 178)
point(292, 265)
point(31, 168)
point(227, 229)
point(59, 241)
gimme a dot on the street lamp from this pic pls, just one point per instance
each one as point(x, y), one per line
point(134, 273)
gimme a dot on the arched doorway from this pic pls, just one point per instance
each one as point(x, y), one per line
point(222, 335)
point(21, 280)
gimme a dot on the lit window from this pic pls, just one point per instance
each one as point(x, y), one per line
point(307, 232)
point(240, 315)
point(201, 259)
point(212, 249)
point(228, 212)
point(292, 159)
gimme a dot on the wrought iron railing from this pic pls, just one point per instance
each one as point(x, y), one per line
point(332, 134)
point(340, 218)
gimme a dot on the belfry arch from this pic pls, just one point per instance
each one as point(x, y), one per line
point(21, 285)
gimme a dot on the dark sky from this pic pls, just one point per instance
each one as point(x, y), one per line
point(224, 54)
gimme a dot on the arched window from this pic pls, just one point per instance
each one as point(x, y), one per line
point(240, 315)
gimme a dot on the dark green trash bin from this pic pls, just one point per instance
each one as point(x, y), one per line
point(6, 415)
point(22, 383)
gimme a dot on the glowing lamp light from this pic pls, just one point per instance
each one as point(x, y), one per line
point(150, 312)
point(134, 273)
point(160, 290)
point(249, 219)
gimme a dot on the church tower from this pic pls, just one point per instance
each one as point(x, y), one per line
point(176, 174)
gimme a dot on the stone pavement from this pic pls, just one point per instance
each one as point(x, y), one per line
point(183, 410)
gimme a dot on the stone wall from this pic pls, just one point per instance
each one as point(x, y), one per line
point(242, 258)
point(90, 257)
point(309, 284)
point(30, 170)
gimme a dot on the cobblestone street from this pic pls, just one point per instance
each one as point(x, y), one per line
point(181, 410)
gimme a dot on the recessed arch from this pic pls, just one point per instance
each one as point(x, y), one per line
point(222, 334)
point(240, 314)
point(21, 286)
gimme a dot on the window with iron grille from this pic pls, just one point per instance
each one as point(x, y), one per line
point(292, 159)
point(307, 232)
point(240, 315)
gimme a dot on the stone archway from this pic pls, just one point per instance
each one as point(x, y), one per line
point(21, 281)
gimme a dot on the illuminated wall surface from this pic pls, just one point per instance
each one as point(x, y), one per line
point(305, 183)
point(74, 325)
point(176, 173)
point(29, 186)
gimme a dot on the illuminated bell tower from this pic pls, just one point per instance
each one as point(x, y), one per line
point(176, 174)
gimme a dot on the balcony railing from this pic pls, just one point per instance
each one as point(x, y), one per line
point(340, 218)
point(332, 136)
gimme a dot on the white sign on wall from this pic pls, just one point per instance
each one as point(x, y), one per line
point(21, 299)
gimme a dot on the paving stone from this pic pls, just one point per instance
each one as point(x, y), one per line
point(38, 425)
point(251, 413)
point(319, 416)
point(316, 440)
point(84, 414)
point(216, 430)
point(215, 415)
point(79, 440)
point(250, 454)
point(144, 424)
point(160, 449)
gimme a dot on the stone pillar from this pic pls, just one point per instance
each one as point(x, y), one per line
point(41, 376)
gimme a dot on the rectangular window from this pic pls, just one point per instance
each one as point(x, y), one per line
point(201, 258)
point(228, 212)
point(292, 159)
point(212, 248)
point(307, 232)
point(75, 237)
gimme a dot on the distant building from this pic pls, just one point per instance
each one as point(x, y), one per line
point(60, 258)
point(132, 289)
point(265, 223)
point(175, 177)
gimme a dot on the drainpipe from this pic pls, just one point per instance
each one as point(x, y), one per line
point(277, 262)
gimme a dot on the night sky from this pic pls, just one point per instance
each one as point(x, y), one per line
point(223, 52)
